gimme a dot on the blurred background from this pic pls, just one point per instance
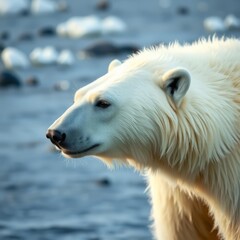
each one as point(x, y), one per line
point(48, 50)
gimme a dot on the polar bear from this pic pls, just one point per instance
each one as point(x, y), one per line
point(174, 113)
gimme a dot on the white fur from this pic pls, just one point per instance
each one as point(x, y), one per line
point(190, 151)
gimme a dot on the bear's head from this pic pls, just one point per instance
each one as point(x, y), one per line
point(128, 114)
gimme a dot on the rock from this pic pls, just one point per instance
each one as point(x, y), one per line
point(32, 81)
point(44, 56)
point(104, 182)
point(232, 22)
point(102, 5)
point(113, 24)
point(13, 6)
point(25, 36)
point(14, 58)
point(65, 58)
point(183, 10)
point(25, 13)
point(129, 49)
point(2, 47)
point(43, 6)
point(214, 24)
point(8, 79)
point(77, 27)
point(100, 49)
point(62, 86)
point(46, 31)
point(4, 35)
point(107, 48)
point(63, 6)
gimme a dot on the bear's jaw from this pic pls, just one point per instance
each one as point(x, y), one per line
point(79, 153)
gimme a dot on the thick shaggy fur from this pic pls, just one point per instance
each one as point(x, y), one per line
point(190, 150)
point(197, 174)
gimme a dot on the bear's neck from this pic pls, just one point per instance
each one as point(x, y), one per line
point(218, 185)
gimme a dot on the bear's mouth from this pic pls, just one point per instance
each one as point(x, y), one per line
point(73, 153)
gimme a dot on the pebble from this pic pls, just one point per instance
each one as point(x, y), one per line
point(183, 10)
point(13, 6)
point(63, 6)
point(102, 5)
point(2, 47)
point(128, 48)
point(8, 78)
point(65, 58)
point(214, 24)
point(4, 35)
point(44, 56)
point(104, 182)
point(46, 31)
point(100, 49)
point(14, 58)
point(232, 22)
point(25, 12)
point(103, 48)
point(32, 81)
point(25, 36)
point(62, 85)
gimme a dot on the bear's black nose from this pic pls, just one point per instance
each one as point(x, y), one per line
point(56, 136)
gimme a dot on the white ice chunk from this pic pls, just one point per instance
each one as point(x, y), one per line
point(14, 58)
point(65, 58)
point(13, 6)
point(77, 27)
point(214, 24)
point(232, 22)
point(44, 56)
point(43, 6)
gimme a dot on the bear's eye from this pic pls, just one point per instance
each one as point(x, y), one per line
point(101, 103)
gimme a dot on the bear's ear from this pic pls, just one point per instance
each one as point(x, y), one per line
point(175, 83)
point(114, 63)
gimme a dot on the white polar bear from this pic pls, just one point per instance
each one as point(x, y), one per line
point(173, 112)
